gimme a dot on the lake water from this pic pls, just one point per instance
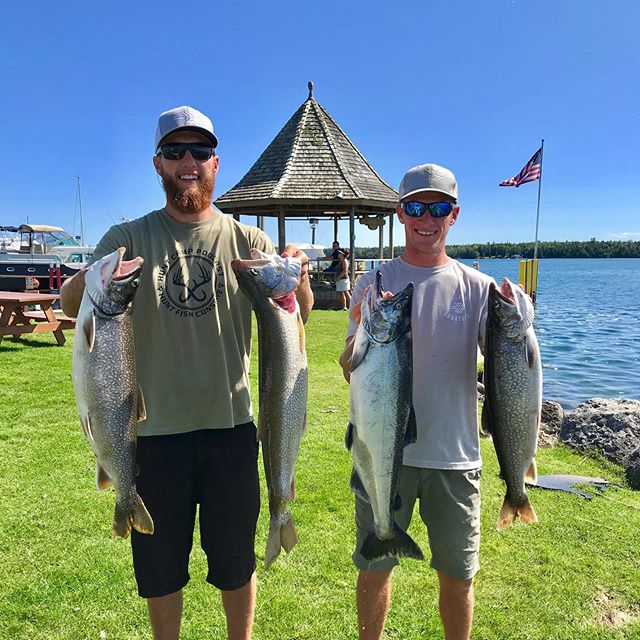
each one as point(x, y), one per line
point(588, 326)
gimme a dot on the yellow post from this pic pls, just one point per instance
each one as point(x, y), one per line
point(529, 277)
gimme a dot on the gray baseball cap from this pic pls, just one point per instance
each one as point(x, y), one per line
point(184, 119)
point(428, 177)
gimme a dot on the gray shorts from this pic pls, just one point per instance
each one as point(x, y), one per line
point(449, 507)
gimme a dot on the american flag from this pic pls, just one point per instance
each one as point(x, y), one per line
point(529, 173)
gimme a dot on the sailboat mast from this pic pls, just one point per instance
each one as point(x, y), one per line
point(80, 210)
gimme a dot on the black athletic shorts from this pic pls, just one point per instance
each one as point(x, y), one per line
point(217, 469)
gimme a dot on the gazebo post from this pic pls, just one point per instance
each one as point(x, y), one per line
point(391, 217)
point(352, 242)
point(236, 216)
point(282, 238)
point(335, 228)
point(381, 240)
point(260, 222)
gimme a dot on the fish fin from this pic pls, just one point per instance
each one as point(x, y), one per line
point(142, 407)
point(357, 487)
point(526, 513)
point(292, 489)
point(532, 473)
point(348, 436)
point(531, 353)
point(288, 535)
point(507, 516)
point(301, 333)
point(89, 330)
point(103, 479)
point(304, 423)
point(485, 422)
point(401, 545)
point(86, 427)
point(135, 516)
point(360, 348)
point(281, 536)
point(510, 512)
point(411, 432)
point(397, 503)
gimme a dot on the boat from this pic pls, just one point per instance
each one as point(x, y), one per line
point(28, 252)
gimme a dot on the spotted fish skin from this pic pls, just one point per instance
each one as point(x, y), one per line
point(513, 395)
point(107, 394)
point(269, 281)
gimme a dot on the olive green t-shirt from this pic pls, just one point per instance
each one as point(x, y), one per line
point(192, 324)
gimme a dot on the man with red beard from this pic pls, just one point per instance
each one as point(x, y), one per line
point(192, 328)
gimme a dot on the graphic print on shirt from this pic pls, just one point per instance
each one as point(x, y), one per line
point(457, 311)
point(190, 282)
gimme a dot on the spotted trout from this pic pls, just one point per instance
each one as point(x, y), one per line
point(270, 282)
point(381, 419)
point(513, 395)
point(107, 394)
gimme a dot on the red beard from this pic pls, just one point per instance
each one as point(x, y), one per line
point(189, 200)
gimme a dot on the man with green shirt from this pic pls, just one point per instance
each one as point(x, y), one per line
point(192, 328)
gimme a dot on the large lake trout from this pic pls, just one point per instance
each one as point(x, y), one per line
point(513, 395)
point(108, 397)
point(270, 282)
point(382, 420)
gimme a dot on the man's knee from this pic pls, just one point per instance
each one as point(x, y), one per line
point(457, 585)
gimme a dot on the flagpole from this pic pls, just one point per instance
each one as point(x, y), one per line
point(535, 246)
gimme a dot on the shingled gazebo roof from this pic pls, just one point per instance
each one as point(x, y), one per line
point(310, 167)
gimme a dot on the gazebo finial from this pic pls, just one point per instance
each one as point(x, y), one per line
point(310, 85)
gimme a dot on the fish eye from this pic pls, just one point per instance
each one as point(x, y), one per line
point(254, 272)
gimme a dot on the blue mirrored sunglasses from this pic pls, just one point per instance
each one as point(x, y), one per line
point(436, 209)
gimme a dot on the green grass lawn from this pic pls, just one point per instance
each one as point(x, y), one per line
point(574, 575)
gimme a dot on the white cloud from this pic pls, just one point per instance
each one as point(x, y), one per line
point(624, 235)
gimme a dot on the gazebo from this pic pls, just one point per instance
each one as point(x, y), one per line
point(312, 170)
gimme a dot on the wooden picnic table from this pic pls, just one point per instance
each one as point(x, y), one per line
point(16, 318)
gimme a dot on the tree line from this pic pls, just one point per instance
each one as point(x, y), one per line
point(569, 249)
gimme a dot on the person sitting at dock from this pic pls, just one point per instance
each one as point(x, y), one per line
point(335, 247)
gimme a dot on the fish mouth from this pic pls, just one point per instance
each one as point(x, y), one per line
point(127, 269)
point(118, 270)
point(505, 292)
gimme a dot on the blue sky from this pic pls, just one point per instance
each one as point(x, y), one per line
point(470, 85)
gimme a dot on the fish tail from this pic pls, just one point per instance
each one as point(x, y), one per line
point(510, 512)
point(282, 535)
point(134, 515)
point(401, 545)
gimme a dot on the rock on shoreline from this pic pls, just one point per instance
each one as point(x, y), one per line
point(611, 427)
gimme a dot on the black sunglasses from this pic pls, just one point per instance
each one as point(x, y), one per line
point(177, 150)
point(436, 209)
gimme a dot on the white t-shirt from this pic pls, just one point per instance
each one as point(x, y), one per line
point(447, 325)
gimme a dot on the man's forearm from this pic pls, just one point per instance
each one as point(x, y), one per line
point(71, 294)
point(345, 358)
point(304, 295)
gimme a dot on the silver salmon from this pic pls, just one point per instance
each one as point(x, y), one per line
point(270, 282)
point(381, 420)
point(108, 397)
point(513, 395)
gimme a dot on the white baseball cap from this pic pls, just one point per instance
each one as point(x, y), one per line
point(428, 177)
point(184, 119)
